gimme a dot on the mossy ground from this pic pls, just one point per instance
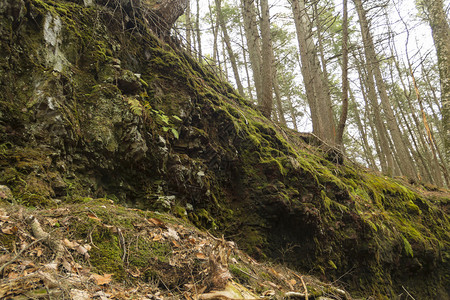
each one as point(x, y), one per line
point(133, 118)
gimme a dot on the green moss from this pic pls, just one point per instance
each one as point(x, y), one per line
point(239, 273)
point(407, 247)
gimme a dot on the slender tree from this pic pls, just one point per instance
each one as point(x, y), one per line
point(253, 43)
point(344, 111)
point(227, 41)
point(439, 23)
point(406, 166)
point(266, 67)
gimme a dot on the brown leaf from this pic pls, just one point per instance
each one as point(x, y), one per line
point(83, 251)
point(93, 217)
point(4, 258)
point(101, 279)
point(71, 245)
point(201, 256)
point(52, 221)
point(157, 237)
point(10, 230)
point(176, 244)
point(157, 222)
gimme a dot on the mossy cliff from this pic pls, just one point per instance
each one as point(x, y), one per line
point(93, 104)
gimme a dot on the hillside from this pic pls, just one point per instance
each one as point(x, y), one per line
point(93, 104)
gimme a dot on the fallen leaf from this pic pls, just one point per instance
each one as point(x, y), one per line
point(293, 281)
point(71, 245)
point(171, 233)
point(93, 217)
point(157, 237)
point(39, 252)
point(10, 230)
point(83, 251)
point(201, 256)
point(4, 258)
point(157, 222)
point(52, 221)
point(51, 266)
point(101, 279)
point(79, 294)
point(176, 244)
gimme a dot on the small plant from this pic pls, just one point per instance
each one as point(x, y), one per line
point(145, 110)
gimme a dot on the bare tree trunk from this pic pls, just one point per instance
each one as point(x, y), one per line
point(292, 111)
point(266, 67)
point(199, 36)
point(253, 44)
point(227, 41)
point(244, 55)
point(318, 100)
point(344, 111)
point(363, 134)
point(188, 26)
point(384, 153)
point(441, 35)
point(406, 166)
point(215, 29)
point(276, 89)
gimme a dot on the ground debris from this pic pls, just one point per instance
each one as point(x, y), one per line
point(57, 253)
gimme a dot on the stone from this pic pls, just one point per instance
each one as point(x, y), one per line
point(6, 194)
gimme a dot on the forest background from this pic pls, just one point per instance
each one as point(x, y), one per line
point(388, 110)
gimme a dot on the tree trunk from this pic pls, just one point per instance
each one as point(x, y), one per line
point(227, 41)
point(441, 35)
point(199, 36)
point(292, 111)
point(266, 67)
point(363, 134)
point(244, 56)
point(406, 166)
point(318, 99)
point(344, 111)
point(253, 44)
point(188, 26)
point(384, 153)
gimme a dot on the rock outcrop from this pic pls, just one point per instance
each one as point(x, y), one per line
point(94, 104)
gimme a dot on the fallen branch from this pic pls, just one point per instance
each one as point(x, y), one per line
point(408, 293)
point(40, 234)
point(304, 286)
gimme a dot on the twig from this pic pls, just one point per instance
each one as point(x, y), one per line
point(304, 286)
point(248, 274)
point(408, 293)
point(20, 253)
point(122, 242)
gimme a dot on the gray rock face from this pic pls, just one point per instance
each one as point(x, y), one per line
point(6, 194)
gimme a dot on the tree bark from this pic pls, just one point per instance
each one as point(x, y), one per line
point(253, 44)
point(344, 111)
point(227, 41)
point(406, 166)
point(318, 99)
point(441, 35)
point(266, 67)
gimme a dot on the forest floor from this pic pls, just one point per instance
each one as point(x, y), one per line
point(50, 253)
